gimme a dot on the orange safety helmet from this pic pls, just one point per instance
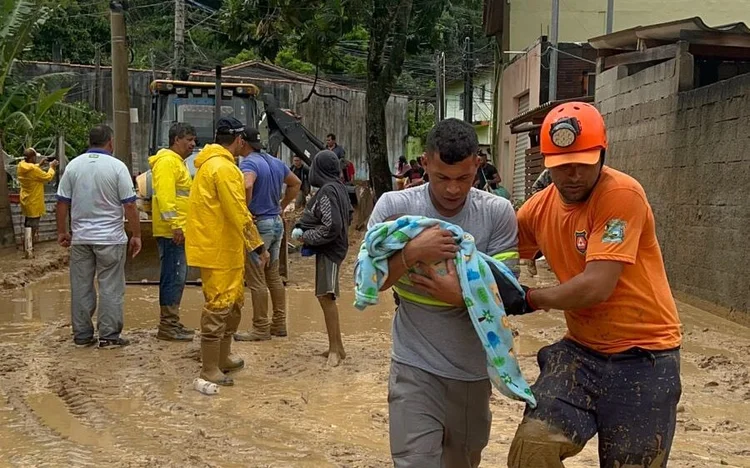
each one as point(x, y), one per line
point(573, 133)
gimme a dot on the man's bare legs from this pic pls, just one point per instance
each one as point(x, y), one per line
point(335, 353)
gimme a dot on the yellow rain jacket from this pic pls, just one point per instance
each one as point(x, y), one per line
point(171, 188)
point(32, 179)
point(219, 227)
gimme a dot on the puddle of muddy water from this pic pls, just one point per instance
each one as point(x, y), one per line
point(49, 301)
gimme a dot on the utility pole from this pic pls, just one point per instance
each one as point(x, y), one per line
point(553, 52)
point(179, 40)
point(468, 81)
point(217, 97)
point(440, 86)
point(97, 78)
point(120, 84)
point(610, 15)
point(152, 61)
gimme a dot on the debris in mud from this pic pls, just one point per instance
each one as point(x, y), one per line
point(714, 362)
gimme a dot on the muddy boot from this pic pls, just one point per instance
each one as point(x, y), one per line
point(169, 325)
point(532, 268)
point(227, 362)
point(185, 329)
point(253, 335)
point(210, 351)
point(278, 300)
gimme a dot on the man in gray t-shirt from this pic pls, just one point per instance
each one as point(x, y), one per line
point(439, 390)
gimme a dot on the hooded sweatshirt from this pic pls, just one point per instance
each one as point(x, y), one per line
point(326, 220)
point(171, 186)
point(219, 227)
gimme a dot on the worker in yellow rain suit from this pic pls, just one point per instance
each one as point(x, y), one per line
point(219, 229)
point(171, 188)
point(32, 179)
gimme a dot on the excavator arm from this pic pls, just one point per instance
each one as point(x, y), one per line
point(284, 126)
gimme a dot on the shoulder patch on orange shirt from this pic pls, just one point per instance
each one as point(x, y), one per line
point(614, 231)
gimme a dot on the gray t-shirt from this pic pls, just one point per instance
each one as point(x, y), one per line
point(97, 185)
point(442, 340)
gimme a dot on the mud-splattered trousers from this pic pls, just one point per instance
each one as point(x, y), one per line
point(224, 294)
point(629, 399)
point(173, 271)
point(106, 264)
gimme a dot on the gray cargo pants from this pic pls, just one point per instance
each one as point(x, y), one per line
point(107, 264)
point(437, 422)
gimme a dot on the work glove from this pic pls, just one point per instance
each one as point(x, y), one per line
point(515, 301)
point(527, 306)
point(297, 234)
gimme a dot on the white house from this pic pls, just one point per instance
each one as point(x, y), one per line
point(483, 99)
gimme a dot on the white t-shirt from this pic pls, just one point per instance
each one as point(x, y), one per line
point(97, 185)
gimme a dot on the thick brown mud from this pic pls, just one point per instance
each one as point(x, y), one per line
point(63, 406)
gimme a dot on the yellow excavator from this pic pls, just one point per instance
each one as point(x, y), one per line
point(195, 102)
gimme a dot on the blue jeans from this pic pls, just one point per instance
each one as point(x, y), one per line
point(173, 271)
point(271, 230)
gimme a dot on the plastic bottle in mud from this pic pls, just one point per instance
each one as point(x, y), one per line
point(205, 387)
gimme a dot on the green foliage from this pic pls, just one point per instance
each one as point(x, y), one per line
point(17, 20)
point(72, 33)
point(42, 116)
point(247, 55)
point(287, 58)
point(421, 127)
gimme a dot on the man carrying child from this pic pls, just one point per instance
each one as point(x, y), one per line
point(439, 389)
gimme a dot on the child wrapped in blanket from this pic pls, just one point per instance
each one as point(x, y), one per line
point(441, 268)
point(324, 231)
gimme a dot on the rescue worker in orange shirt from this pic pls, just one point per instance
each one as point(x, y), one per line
point(617, 371)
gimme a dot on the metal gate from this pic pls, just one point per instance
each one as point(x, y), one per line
point(519, 164)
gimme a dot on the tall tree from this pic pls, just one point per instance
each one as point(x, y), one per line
point(395, 29)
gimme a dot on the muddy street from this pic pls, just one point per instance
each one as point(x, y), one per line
point(63, 406)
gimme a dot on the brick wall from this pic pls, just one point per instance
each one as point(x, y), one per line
point(574, 61)
point(691, 152)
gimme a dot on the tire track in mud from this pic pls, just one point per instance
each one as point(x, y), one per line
point(70, 380)
point(58, 450)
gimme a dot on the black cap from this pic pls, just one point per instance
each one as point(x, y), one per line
point(252, 137)
point(229, 126)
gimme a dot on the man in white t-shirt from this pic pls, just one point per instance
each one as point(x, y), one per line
point(97, 190)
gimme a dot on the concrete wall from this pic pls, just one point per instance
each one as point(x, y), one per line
point(691, 152)
point(521, 76)
point(581, 20)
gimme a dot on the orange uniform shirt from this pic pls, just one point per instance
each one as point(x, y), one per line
point(615, 224)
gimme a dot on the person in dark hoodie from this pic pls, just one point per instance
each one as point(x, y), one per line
point(323, 229)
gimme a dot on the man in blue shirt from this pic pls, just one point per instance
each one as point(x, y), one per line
point(265, 177)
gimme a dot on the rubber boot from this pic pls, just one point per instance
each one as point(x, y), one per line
point(169, 325)
point(227, 362)
point(278, 300)
point(210, 352)
point(185, 329)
